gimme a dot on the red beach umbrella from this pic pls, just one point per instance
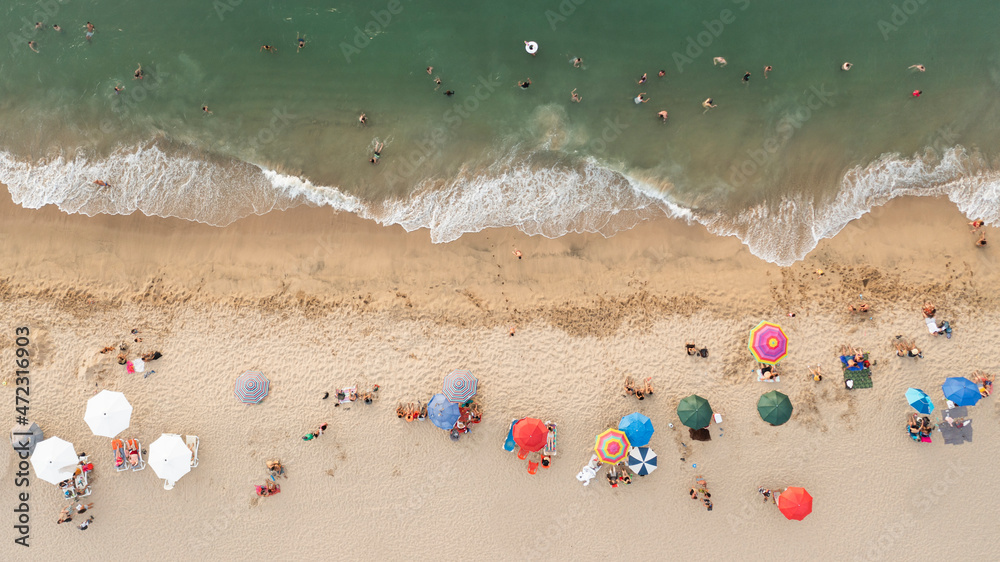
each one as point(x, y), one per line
point(795, 503)
point(531, 434)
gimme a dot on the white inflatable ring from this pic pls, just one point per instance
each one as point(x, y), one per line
point(531, 47)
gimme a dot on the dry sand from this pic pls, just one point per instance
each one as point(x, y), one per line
point(318, 301)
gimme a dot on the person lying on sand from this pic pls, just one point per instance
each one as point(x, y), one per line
point(814, 373)
point(929, 310)
point(767, 372)
point(400, 411)
point(629, 385)
point(648, 385)
point(986, 380)
point(863, 307)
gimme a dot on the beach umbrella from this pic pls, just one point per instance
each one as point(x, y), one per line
point(54, 460)
point(170, 457)
point(642, 460)
point(443, 413)
point(637, 428)
point(795, 503)
point(531, 434)
point(919, 400)
point(459, 386)
point(694, 412)
point(24, 437)
point(774, 407)
point(251, 387)
point(961, 391)
point(611, 446)
point(108, 413)
point(768, 343)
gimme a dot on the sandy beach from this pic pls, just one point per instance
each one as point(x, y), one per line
point(319, 301)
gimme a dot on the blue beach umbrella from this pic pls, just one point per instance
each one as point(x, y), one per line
point(443, 413)
point(637, 428)
point(919, 400)
point(961, 391)
point(642, 460)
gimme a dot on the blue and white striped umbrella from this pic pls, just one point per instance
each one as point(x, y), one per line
point(460, 385)
point(251, 387)
point(642, 460)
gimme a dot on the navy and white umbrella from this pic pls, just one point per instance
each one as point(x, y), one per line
point(642, 460)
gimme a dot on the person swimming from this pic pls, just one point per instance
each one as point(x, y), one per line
point(33, 46)
point(577, 62)
point(746, 78)
point(661, 73)
point(663, 116)
point(641, 98)
point(642, 79)
point(301, 42)
point(268, 48)
point(919, 67)
point(90, 30)
point(846, 66)
point(363, 119)
point(205, 109)
point(575, 97)
point(449, 93)
point(708, 104)
point(524, 85)
point(137, 75)
point(378, 152)
point(767, 69)
point(719, 61)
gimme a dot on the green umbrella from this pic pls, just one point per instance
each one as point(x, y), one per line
point(694, 412)
point(775, 408)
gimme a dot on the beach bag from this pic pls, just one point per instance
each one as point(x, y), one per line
point(704, 352)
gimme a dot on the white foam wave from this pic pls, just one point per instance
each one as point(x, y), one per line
point(784, 232)
point(539, 200)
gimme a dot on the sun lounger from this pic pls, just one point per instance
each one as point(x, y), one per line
point(532, 467)
point(169, 484)
point(118, 455)
point(551, 439)
point(522, 454)
point(192, 443)
point(135, 453)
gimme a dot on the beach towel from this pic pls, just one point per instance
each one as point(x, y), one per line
point(760, 377)
point(550, 440)
point(139, 365)
point(348, 392)
point(858, 367)
point(509, 445)
point(861, 379)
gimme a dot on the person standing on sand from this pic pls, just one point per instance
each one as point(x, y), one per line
point(976, 225)
point(982, 240)
point(86, 524)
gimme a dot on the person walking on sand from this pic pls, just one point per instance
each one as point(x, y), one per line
point(767, 69)
point(976, 225)
point(575, 97)
point(378, 152)
point(918, 67)
point(719, 61)
point(982, 240)
point(86, 524)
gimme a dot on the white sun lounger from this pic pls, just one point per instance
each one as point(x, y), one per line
point(142, 461)
point(192, 443)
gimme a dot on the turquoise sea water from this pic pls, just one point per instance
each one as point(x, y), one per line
point(781, 162)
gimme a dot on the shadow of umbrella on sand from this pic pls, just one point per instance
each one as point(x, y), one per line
point(25, 437)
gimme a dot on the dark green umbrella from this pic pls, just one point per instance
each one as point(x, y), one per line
point(775, 408)
point(694, 412)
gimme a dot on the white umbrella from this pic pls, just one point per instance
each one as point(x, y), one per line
point(108, 413)
point(54, 460)
point(170, 457)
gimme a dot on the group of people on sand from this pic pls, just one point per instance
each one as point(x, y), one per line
point(75, 488)
point(976, 226)
point(693, 349)
point(618, 474)
point(920, 426)
point(863, 307)
point(315, 434)
point(700, 492)
point(907, 348)
point(639, 391)
point(855, 357)
point(67, 513)
point(271, 487)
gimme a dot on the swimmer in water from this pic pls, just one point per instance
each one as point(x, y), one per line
point(575, 97)
point(661, 73)
point(524, 85)
point(32, 45)
point(204, 108)
point(90, 30)
point(437, 81)
point(919, 67)
point(378, 153)
point(641, 98)
point(916, 93)
point(449, 93)
point(430, 69)
point(57, 28)
point(663, 116)
point(577, 62)
point(301, 42)
point(137, 75)
point(268, 48)
point(846, 66)
point(708, 104)
point(363, 119)
point(643, 79)
point(38, 25)
point(719, 61)
point(767, 69)
point(746, 78)
point(119, 89)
